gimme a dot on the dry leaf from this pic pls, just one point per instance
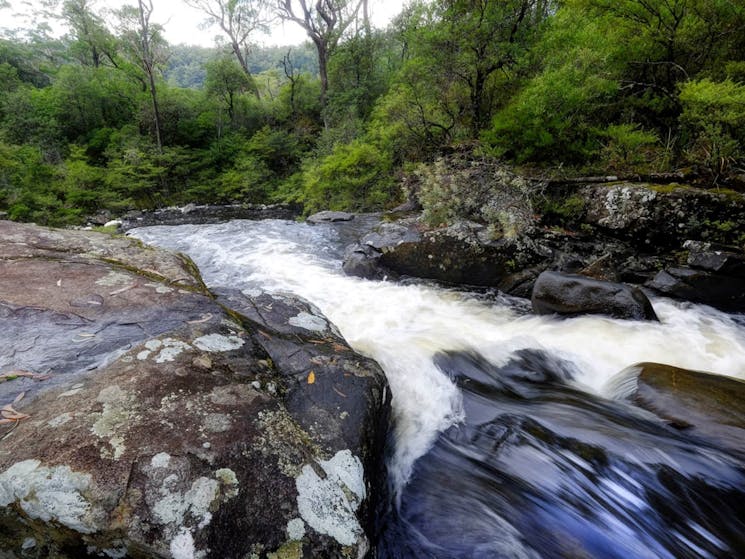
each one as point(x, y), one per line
point(311, 377)
point(123, 289)
point(205, 318)
point(19, 397)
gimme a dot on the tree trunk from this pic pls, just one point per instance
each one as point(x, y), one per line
point(244, 64)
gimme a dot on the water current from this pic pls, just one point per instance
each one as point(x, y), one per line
point(509, 437)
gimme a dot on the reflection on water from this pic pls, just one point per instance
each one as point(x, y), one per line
point(504, 445)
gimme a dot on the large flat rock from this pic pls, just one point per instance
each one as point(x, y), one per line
point(144, 418)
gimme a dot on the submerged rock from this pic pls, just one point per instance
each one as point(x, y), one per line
point(572, 294)
point(709, 405)
point(150, 420)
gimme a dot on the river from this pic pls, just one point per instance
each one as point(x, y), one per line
point(509, 437)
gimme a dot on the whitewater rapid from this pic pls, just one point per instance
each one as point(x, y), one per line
point(402, 326)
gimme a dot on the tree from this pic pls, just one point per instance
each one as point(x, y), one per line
point(325, 23)
point(93, 42)
point(239, 20)
point(225, 80)
point(144, 42)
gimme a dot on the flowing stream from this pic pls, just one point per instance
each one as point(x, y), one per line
point(508, 441)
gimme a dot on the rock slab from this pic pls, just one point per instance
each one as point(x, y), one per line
point(151, 420)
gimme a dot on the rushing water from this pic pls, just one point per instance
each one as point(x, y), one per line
point(507, 440)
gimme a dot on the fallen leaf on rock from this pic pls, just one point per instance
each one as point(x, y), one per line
point(19, 397)
point(311, 377)
point(8, 412)
point(123, 289)
point(205, 318)
point(12, 375)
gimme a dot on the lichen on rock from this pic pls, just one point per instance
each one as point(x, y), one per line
point(329, 504)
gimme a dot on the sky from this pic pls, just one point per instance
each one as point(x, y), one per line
point(182, 22)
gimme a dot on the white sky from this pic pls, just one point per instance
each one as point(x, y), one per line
point(181, 22)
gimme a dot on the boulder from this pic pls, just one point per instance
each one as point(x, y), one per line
point(661, 217)
point(459, 254)
point(573, 294)
point(709, 405)
point(145, 418)
point(724, 292)
point(329, 217)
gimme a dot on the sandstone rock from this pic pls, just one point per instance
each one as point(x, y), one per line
point(709, 405)
point(571, 294)
point(329, 217)
point(161, 423)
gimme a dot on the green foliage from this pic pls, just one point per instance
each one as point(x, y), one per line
point(356, 176)
point(628, 147)
point(714, 115)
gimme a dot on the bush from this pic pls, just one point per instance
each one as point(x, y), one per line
point(714, 115)
point(477, 190)
point(628, 147)
point(356, 176)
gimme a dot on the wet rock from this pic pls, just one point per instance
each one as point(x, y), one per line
point(459, 254)
point(329, 217)
point(709, 405)
point(724, 292)
point(721, 259)
point(192, 213)
point(153, 422)
point(572, 294)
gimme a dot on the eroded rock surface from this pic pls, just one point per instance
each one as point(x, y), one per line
point(149, 420)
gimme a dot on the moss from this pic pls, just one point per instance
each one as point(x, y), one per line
point(290, 550)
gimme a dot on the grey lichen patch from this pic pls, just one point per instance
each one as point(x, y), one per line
point(114, 279)
point(329, 504)
point(218, 343)
point(216, 423)
point(49, 494)
point(112, 423)
point(60, 420)
point(171, 349)
point(160, 460)
point(309, 322)
point(173, 505)
point(159, 288)
point(296, 529)
point(228, 481)
point(182, 546)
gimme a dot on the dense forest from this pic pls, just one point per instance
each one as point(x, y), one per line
point(110, 116)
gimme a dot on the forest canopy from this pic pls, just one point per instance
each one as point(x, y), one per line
point(112, 117)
